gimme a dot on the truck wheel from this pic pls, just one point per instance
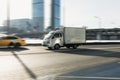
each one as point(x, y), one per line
point(57, 46)
point(50, 48)
point(75, 46)
point(68, 47)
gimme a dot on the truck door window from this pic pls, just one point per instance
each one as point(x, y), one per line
point(56, 35)
point(60, 35)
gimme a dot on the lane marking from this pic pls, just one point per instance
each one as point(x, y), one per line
point(84, 77)
point(105, 48)
point(119, 62)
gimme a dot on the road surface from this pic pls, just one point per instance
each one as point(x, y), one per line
point(39, 63)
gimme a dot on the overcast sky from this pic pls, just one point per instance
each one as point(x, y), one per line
point(18, 9)
point(83, 12)
point(74, 12)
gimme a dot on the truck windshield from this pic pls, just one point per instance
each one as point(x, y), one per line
point(49, 35)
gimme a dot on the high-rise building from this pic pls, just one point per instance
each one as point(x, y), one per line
point(46, 14)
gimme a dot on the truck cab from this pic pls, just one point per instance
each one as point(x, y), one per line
point(53, 40)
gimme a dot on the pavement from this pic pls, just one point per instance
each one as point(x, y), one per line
point(109, 71)
point(39, 63)
point(26, 50)
point(105, 71)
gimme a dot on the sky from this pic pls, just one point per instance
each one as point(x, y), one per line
point(78, 13)
point(83, 12)
point(18, 9)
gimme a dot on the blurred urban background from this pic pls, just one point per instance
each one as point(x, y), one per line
point(47, 15)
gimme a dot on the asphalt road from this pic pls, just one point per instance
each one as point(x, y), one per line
point(109, 71)
point(39, 63)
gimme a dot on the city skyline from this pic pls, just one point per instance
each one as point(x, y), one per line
point(81, 13)
point(46, 14)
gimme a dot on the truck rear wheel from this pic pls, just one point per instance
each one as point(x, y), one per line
point(57, 46)
point(75, 46)
point(68, 47)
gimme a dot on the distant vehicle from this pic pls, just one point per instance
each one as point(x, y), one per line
point(66, 37)
point(12, 41)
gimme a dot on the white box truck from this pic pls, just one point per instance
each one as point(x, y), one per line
point(65, 37)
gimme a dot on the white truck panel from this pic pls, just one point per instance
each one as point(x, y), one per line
point(74, 35)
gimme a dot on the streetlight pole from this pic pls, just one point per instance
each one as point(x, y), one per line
point(115, 25)
point(8, 17)
point(99, 25)
point(64, 13)
point(100, 21)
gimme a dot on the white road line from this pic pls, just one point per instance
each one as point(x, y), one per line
point(48, 77)
point(79, 77)
point(118, 62)
point(105, 48)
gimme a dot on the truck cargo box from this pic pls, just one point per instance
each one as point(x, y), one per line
point(74, 35)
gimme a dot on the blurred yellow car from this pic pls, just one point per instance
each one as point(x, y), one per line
point(12, 41)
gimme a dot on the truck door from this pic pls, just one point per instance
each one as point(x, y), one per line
point(61, 38)
point(57, 39)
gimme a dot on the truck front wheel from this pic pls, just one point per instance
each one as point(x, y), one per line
point(50, 48)
point(57, 46)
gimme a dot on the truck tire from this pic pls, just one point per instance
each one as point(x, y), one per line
point(68, 47)
point(50, 48)
point(75, 46)
point(57, 46)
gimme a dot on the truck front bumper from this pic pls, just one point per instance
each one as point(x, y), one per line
point(45, 43)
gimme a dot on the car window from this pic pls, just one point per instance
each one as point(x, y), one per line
point(9, 37)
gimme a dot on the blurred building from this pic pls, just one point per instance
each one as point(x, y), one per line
point(103, 34)
point(46, 14)
point(19, 26)
point(91, 34)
